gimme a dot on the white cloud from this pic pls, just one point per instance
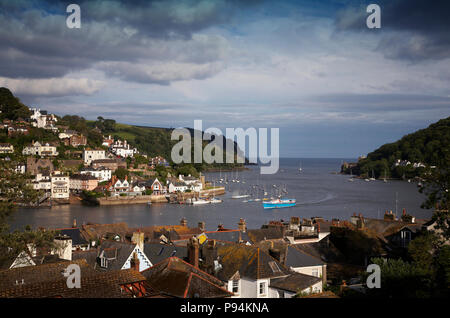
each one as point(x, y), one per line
point(51, 87)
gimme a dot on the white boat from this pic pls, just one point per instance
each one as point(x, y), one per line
point(215, 200)
point(240, 196)
point(197, 201)
point(351, 176)
point(300, 168)
point(200, 202)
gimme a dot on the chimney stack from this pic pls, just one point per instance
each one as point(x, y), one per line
point(220, 227)
point(74, 224)
point(193, 251)
point(138, 239)
point(242, 225)
point(183, 222)
point(134, 263)
point(201, 226)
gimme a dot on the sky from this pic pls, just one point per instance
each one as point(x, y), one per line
point(313, 69)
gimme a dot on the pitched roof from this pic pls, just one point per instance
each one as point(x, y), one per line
point(116, 252)
point(269, 233)
point(90, 256)
point(98, 231)
point(325, 250)
point(156, 252)
point(173, 232)
point(45, 273)
point(74, 234)
point(298, 258)
point(294, 282)
point(47, 281)
point(251, 262)
point(177, 278)
point(228, 236)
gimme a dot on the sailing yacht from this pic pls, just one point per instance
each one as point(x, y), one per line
point(372, 179)
point(300, 168)
point(351, 179)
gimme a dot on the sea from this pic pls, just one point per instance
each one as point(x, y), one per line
point(319, 189)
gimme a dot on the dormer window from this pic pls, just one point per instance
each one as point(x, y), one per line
point(103, 262)
point(274, 266)
point(235, 286)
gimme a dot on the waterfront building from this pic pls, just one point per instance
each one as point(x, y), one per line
point(60, 186)
point(82, 182)
point(175, 185)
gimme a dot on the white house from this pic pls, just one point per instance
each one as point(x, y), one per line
point(101, 173)
point(300, 262)
point(60, 186)
point(44, 150)
point(42, 182)
point(249, 272)
point(157, 187)
point(6, 148)
point(176, 186)
point(41, 119)
point(114, 255)
point(90, 155)
point(123, 149)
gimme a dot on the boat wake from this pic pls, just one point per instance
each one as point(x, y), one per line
point(328, 196)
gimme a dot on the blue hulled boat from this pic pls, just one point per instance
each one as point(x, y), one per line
point(279, 203)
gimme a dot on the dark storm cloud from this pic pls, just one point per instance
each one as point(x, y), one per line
point(411, 30)
point(37, 44)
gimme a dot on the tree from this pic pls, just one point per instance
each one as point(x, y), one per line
point(436, 186)
point(15, 189)
point(421, 250)
point(121, 173)
point(400, 279)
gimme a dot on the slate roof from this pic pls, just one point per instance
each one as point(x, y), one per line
point(251, 262)
point(228, 236)
point(270, 233)
point(46, 273)
point(294, 282)
point(297, 258)
point(99, 231)
point(173, 232)
point(116, 252)
point(324, 250)
point(175, 277)
point(75, 235)
point(7, 260)
point(90, 256)
point(156, 252)
point(47, 281)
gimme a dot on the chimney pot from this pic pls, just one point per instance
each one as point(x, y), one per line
point(134, 264)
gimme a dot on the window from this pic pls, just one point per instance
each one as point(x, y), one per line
point(103, 262)
point(262, 288)
point(236, 286)
point(274, 266)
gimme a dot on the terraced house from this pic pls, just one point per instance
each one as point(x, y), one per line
point(38, 149)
